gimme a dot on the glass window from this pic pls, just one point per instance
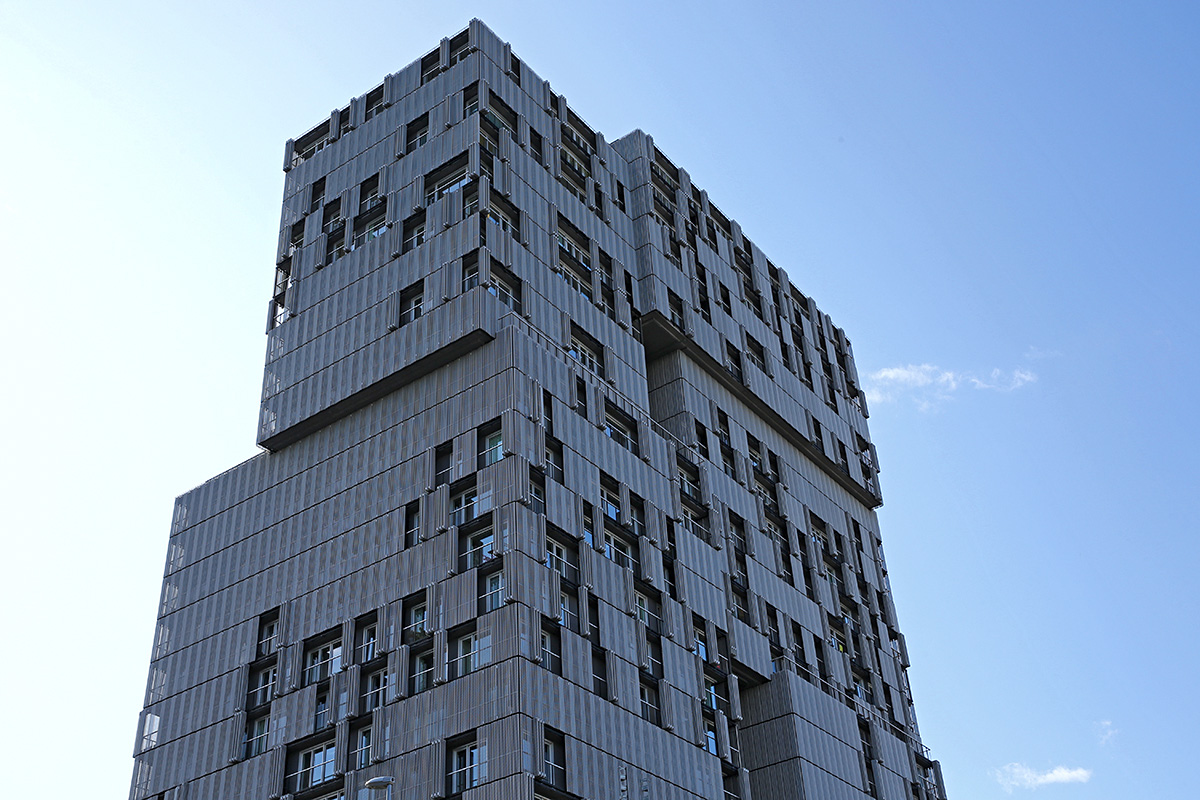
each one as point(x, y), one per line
point(322, 661)
point(361, 757)
point(316, 766)
point(491, 592)
point(467, 768)
point(422, 671)
point(462, 656)
point(376, 689)
point(256, 736)
point(462, 506)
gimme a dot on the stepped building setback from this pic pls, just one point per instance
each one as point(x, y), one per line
point(566, 491)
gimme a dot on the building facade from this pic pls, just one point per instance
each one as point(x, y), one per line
point(566, 491)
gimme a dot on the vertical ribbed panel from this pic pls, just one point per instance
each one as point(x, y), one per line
point(440, 654)
point(235, 732)
point(397, 666)
point(735, 698)
point(537, 736)
point(722, 735)
point(278, 766)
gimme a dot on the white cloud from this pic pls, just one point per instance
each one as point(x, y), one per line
point(1035, 353)
point(930, 386)
point(1019, 776)
point(1106, 731)
point(1001, 382)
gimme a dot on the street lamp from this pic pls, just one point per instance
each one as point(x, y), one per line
point(382, 782)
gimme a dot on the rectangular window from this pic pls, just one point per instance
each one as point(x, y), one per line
point(374, 104)
point(416, 618)
point(311, 143)
point(321, 661)
point(700, 634)
point(321, 714)
point(733, 362)
point(621, 428)
point(369, 195)
point(471, 99)
point(587, 351)
point(554, 759)
point(468, 768)
point(537, 492)
point(600, 674)
point(505, 287)
point(535, 146)
point(581, 406)
point(370, 225)
point(551, 648)
point(611, 496)
point(460, 47)
point(360, 758)
point(503, 214)
point(463, 656)
point(257, 732)
point(417, 133)
point(150, 727)
point(637, 515)
point(375, 689)
point(568, 610)
point(414, 232)
point(315, 766)
point(470, 271)
point(701, 440)
point(478, 548)
point(620, 551)
point(710, 737)
point(758, 356)
point(648, 612)
point(689, 482)
point(490, 440)
point(448, 178)
point(421, 671)
point(412, 301)
point(412, 523)
point(262, 684)
point(562, 556)
point(648, 694)
point(267, 626)
point(491, 592)
point(554, 460)
point(462, 506)
point(441, 463)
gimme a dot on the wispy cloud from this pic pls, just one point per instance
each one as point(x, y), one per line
point(1035, 353)
point(1019, 776)
point(929, 386)
point(1001, 381)
point(1106, 731)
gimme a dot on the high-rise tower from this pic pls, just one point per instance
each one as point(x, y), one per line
point(567, 491)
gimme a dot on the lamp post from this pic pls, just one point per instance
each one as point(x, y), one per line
point(383, 782)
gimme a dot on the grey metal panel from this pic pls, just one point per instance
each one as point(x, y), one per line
point(318, 519)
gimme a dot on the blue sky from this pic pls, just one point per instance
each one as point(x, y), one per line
point(996, 200)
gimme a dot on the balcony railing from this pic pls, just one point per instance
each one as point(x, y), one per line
point(476, 556)
point(563, 567)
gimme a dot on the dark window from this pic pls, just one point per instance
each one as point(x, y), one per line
point(416, 133)
point(316, 195)
point(412, 301)
point(374, 103)
point(414, 231)
point(412, 523)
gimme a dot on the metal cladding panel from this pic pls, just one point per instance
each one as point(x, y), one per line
point(358, 392)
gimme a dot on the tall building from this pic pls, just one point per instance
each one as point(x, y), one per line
point(566, 490)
